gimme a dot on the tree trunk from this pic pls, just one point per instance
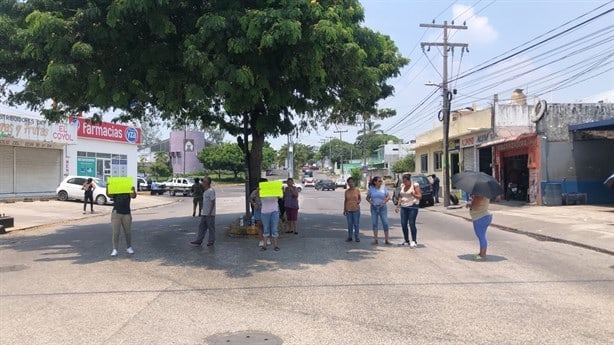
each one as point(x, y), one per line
point(255, 160)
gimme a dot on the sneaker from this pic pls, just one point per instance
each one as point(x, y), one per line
point(196, 243)
point(83, 212)
point(114, 252)
point(268, 241)
point(405, 244)
point(479, 258)
point(413, 244)
point(357, 239)
point(349, 239)
point(261, 243)
point(209, 244)
point(130, 250)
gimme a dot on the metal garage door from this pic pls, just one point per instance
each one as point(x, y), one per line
point(38, 170)
point(469, 158)
point(6, 169)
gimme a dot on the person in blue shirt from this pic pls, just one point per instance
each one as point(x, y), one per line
point(378, 196)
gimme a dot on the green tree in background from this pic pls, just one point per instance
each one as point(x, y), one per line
point(405, 164)
point(303, 154)
point(227, 156)
point(252, 68)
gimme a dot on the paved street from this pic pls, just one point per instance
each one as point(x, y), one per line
point(58, 284)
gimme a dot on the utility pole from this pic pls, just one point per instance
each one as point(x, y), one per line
point(447, 97)
point(290, 156)
point(340, 149)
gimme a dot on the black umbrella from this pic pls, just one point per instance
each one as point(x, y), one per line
point(609, 181)
point(479, 183)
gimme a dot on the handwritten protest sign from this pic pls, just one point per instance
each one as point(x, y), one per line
point(271, 189)
point(120, 185)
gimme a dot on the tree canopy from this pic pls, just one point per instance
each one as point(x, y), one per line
point(252, 68)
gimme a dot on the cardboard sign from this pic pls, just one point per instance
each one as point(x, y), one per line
point(120, 185)
point(271, 189)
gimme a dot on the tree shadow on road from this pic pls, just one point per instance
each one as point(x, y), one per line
point(164, 241)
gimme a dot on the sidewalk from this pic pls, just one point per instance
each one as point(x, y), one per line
point(587, 226)
point(43, 211)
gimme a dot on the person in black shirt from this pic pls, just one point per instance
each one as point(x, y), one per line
point(435, 188)
point(121, 218)
point(197, 197)
point(88, 187)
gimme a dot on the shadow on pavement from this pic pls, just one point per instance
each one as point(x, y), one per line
point(165, 242)
point(489, 258)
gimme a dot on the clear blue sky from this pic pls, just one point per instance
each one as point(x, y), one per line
point(494, 28)
point(570, 68)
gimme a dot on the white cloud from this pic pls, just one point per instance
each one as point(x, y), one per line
point(479, 30)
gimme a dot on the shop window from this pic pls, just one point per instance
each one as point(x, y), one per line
point(424, 163)
point(437, 160)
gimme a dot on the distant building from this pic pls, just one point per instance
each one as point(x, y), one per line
point(184, 147)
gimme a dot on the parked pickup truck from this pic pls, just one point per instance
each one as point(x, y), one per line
point(182, 185)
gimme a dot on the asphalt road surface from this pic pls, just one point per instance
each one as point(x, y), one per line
point(58, 285)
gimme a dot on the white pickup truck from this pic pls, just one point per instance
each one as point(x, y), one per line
point(182, 185)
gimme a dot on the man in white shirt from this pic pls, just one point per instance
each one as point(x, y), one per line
point(207, 220)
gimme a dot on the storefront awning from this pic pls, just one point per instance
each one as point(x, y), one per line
point(505, 139)
point(603, 125)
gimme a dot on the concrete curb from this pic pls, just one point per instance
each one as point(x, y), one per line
point(540, 237)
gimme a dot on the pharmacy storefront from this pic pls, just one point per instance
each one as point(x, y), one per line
point(103, 150)
point(32, 153)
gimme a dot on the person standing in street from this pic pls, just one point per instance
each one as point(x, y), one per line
point(88, 194)
point(270, 222)
point(478, 209)
point(207, 219)
point(197, 197)
point(435, 188)
point(121, 218)
point(291, 206)
point(408, 206)
point(351, 210)
point(378, 196)
point(256, 202)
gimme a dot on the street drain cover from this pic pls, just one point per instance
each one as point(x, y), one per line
point(251, 338)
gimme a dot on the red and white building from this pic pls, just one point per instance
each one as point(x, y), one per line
point(35, 154)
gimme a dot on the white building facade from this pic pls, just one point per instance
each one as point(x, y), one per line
point(35, 154)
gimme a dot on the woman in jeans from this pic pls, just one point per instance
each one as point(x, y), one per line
point(409, 202)
point(478, 209)
point(351, 210)
point(378, 196)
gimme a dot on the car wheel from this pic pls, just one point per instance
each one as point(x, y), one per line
point(101, 199)
point(62, 195)
point(300, 189)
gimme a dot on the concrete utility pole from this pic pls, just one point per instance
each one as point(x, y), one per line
point(340, 150)
point(290, 156)
point(447, 97)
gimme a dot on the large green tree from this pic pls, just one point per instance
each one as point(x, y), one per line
point(337, 151)
point(227, 156)
point(253, 68)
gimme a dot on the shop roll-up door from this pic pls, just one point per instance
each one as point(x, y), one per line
point(469, 159)
point(6, 169)
point(37, 170)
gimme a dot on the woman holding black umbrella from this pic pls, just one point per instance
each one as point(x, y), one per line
point(478, 209)
point(482, 187)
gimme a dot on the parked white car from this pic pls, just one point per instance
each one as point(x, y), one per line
point(341, 182)
point(70, 189)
